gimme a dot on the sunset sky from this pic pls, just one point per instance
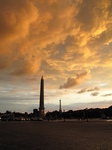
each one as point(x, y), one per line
point(69, 42)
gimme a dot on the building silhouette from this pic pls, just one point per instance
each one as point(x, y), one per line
point(41, 105)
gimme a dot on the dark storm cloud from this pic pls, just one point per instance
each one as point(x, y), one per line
point(89, 90)
point(94, 89)
point(95, 94)
point(75, 81)
point(105, 95)
point(82, 91)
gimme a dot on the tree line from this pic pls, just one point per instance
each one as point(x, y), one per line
point(84, 114)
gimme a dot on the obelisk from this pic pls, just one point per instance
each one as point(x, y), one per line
point(41, 107)
point(60, 110)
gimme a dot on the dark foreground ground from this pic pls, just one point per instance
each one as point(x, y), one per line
point(69, 135)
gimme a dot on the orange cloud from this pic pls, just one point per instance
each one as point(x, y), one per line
point(25, 66)
point(15, 19)
point(75, 81)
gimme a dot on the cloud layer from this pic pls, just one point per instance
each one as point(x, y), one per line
point(54, 33)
